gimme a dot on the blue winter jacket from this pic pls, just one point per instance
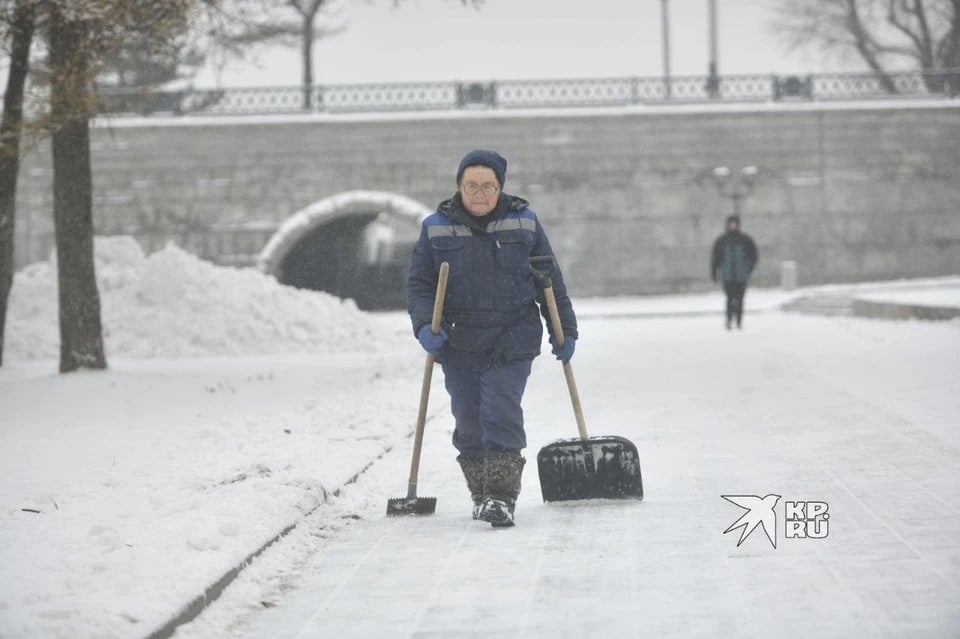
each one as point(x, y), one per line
point(490, 311)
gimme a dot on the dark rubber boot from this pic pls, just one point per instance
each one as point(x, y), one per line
point(473, 473)
point(501, 484)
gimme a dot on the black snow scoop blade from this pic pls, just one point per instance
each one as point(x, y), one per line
point(594, 468)
point(412, 506)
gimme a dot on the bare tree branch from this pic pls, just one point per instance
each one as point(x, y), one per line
point(948, 49)
point(864, 43)
point(925, 32)
point(925, 36)
point(918, 35)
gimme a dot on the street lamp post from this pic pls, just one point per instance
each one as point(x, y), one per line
point(713, 79)
point(735, 186)
point(665, 28)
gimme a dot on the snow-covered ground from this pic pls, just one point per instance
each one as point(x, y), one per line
point(234, 408)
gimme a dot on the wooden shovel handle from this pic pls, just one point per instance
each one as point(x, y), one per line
point(567, 368)
point(427, 377)
point(438, 300)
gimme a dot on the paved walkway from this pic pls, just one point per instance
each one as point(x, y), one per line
point(859, 414)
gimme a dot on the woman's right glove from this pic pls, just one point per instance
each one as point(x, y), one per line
point(564, 353)
point(432, 343)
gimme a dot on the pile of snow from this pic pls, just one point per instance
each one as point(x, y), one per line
point(172, 304)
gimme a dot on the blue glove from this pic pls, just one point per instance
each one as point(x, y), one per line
point(564, 353)
point(430, 342)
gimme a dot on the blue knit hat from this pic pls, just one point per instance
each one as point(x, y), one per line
point(490, 159)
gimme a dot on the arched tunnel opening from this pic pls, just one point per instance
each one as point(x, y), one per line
point(363, 256)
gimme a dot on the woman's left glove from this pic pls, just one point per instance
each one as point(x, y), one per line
point(432, 343)
point(564, 353)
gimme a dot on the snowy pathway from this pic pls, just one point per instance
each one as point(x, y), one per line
point(858, 414)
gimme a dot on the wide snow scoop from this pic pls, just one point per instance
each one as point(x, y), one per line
point(588, 467)
point(411, 504)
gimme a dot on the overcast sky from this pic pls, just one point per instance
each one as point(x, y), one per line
point(510, 39)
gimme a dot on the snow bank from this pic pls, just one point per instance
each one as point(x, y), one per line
point(171, 304)
point(941, 296)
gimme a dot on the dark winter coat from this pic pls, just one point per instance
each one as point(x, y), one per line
point(490, 312)
point(734, 257)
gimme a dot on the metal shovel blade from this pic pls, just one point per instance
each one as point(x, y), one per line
point(594, 468)
point(414, 506)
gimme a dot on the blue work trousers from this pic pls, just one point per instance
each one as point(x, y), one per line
point(486, 407)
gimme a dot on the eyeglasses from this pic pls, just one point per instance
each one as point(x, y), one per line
point(471, 188)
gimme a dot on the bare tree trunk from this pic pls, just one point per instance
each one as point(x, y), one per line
point(81, 336)
point(948, 50)
point(925, 45)
point(918, 34)
point(10, 127)
point(308, 12)
point(863, 42)
point(308, 62)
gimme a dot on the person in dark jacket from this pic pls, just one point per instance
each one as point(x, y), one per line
point(733, 260)
point(491, 328)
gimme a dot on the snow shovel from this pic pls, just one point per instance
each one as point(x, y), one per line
point(588, 467)
point(411, 504)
